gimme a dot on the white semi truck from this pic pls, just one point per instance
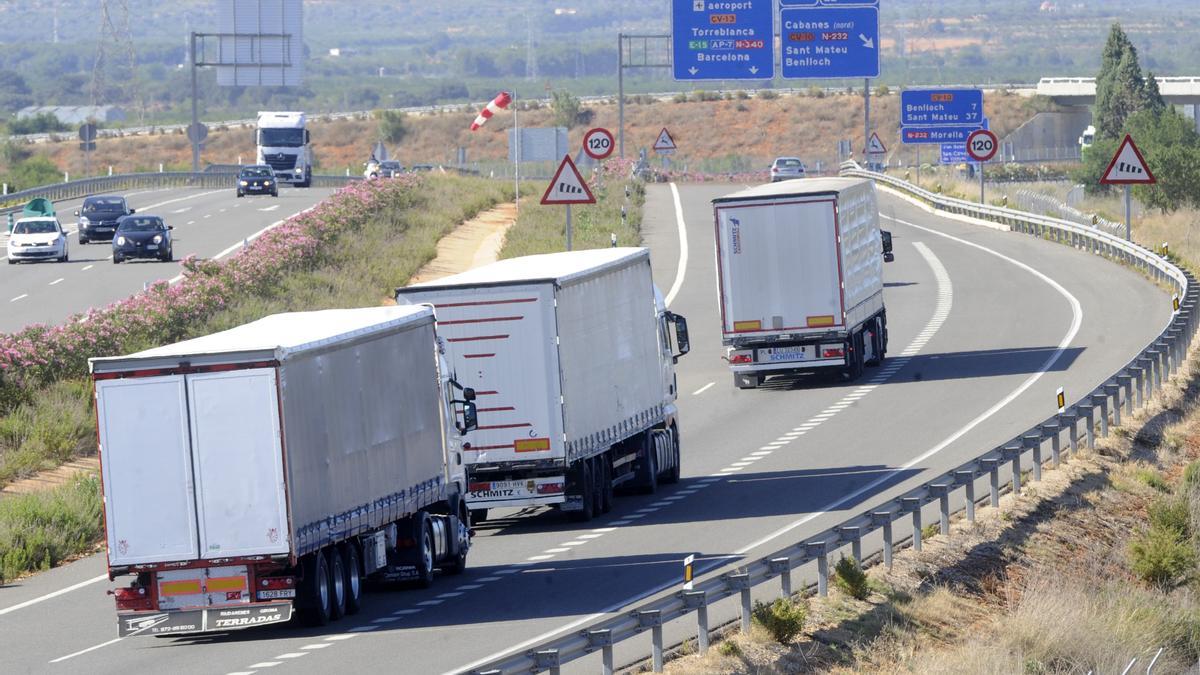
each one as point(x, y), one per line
point(573, 358)
point(284, 143)
point(800, 278)
point(277, 465)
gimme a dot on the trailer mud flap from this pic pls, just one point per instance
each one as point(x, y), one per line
point(202, 620)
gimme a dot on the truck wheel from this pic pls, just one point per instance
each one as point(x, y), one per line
point(606, 484)
point(337, 583)
point(672, 474)
point(876, 343)
point(315, 590)
point(587, 489)
point(425, 551)
point(649, 464)
point(352, 568)
point(459, 564)
point(597, 484)
point(854, 369)
point(746, 381)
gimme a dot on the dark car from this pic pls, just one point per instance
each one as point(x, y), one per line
point(99, 215)
point(142, 237)
point(258, 179)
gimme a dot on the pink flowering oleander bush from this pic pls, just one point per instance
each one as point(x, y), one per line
point(165, 313)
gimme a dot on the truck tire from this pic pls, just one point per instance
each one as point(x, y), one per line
point(649, 464)
point(315, 593)
point(606, 483)
point(587, 490)
point(876, 343)
point(597, 484)
point(671, 476)
point(854, 369)
point(458, 564)
point(352, 566)
point(423, 533)
point(337, 583)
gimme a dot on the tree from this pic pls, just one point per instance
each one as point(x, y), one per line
point(14, 91)
point(566, 108)
point(1171, 147)
point(393, 126)
point(1152, 99)
point(1111, 110)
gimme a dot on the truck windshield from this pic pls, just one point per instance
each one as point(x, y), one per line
point(281, 138)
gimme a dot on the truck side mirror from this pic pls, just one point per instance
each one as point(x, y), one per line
point(307, 137)
point(681, 335)
point(470, 417)
point(132, 211)
point(887, 240)
point(889, 257)
point(469, 393)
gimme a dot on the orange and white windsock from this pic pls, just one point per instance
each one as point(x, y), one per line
point(501, 102)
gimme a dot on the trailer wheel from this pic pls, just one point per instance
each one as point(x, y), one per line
point(854, 369)
point(316, 592)
point(606, 483)
point(876, 343)
point(424, 536)
point(597, 484)
point(672, 475)
point(352, 567)
point(337, 583)
point(587, 491)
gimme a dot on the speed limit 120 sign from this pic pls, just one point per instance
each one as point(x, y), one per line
point(982, 145)
point(598, 143)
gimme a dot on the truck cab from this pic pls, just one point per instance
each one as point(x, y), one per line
point(284, 143)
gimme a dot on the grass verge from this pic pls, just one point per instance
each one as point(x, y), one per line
point(40, 530)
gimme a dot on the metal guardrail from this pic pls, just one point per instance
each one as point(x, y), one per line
point(1037, 202)
point(1132, 384)
point(13, 202)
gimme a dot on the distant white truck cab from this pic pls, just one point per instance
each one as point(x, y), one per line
point(284, 143)
point(800, 278)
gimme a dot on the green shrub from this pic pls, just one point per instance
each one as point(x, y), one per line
point(1162, 558)
point(40, 530)
point(729, 648)
point(681, 97)
point(1191, 476)
point(1171, 514)
point(782, 619)
point(849, 577)
point(768, 94)
point(1153, 479)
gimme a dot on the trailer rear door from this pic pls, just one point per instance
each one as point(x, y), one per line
point(149, 507)
point(237, 456)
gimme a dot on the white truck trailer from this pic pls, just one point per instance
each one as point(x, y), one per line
point(278, 465)
point(284, 143)
point(571, 356)
point(800, 278)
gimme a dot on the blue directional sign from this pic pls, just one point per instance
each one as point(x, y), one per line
point(713, 40)
point(955, 153)
point(937, 135)
point(941, 107)
point(825, 42)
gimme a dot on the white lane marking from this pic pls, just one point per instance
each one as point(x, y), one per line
point(20, 297)
point(945, 301)
point(574, 543)
point(683, 247)
point(269, 208)
point(405, 612)
point(430, 603)
point(208, 215)
point(384, 619)
point(359, 629)
point(56, 281)
point(291, 655)
point(603, 530)
point(87, 268)
point(320, 645)
point(485, 580)
point(627, 519)
point(539, 558)
point(89, 649)
point(556, 550)
point(703, 389)
point(590, 536)
point(748, 459)
point(646, 510)
point(183, 210)
point(469, 587)
point(179, 199)
point(451, 594)
point(191, 222)
point(740, 465)
point(339, 638)
point(508, 571)
point(55, 594)
point(1076, 322)
point(732, 469)
point(222, 211)
point(761, 453)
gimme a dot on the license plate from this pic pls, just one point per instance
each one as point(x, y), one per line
point(281, 594)
point(104, 229)
point(516, 489)
point(783, 354)
point(152, 247)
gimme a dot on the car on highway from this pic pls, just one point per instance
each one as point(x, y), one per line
point(142, 237)
point(257, 179)
point(98, 216)
point(388, 168)
point(787, 168)
point(40, 238)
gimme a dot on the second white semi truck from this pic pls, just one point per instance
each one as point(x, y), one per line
point(285, 144)
point(800, 278)
point(572, 356)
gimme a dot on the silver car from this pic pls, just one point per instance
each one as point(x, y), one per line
point(786, 168)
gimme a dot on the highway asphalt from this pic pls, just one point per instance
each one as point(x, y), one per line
point(985, 326)
point(206, 222)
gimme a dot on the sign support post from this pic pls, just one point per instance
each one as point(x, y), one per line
point(568, 227)
point(982, 146)
point(566, 188)
point(867, 113)
point(1128, 213)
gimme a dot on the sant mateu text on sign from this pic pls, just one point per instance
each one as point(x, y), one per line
point(941, 107)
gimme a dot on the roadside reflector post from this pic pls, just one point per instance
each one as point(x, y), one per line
point(1012, 453)
point(992, 466)
point(1033, 442)
point(884, 519)
point(602, 640)
point(913, 504)
point(1114, 390)
point(1060, 399)
point(1088, 414)
point(853, 534)
point(741, 582)
point(697, 600)
point(1054, 431)
point(1070, 420)
point(782, 567)
point(942, 492)
point(547, 660)
point(821, 550)
point(967, 480)
point(1126, 383)
point(688, 571)
point(652, 619)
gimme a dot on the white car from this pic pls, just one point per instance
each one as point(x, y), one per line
point(37, 239)
point(787, 168)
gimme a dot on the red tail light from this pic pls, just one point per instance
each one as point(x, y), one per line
point(833, 353)
point(741, 358)
point(132, 598)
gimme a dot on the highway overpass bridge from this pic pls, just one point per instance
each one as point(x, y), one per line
point(1081, 91)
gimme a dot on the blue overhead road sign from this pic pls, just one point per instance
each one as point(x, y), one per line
point(723, 39)
point(824, 42)
point(938, 135)
point(941, 107)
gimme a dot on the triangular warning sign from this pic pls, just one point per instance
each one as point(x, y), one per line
point(665, 144)
point(1128, 167)
point(568, 186)
point(876, 146)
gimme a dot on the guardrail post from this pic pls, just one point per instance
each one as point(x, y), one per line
point(1175, 335)
point(942, 492)
point(697, 600)
point(1114, 390)
point(914, 504)
point(602, 640)
point(547, 659)
point(741, 583)
point(1053, 430)
point(1087, 412)
point(853, 534)
point(1101, 400)
point(1012, 453)
point(967, 480)
point(1155, 370)
point(652, 619)
point(992, 466)
point(1033, 442)
point(883, 519)
point(782, 567)
point(1141, 377)
point(821, 550)
point(1126, 383)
